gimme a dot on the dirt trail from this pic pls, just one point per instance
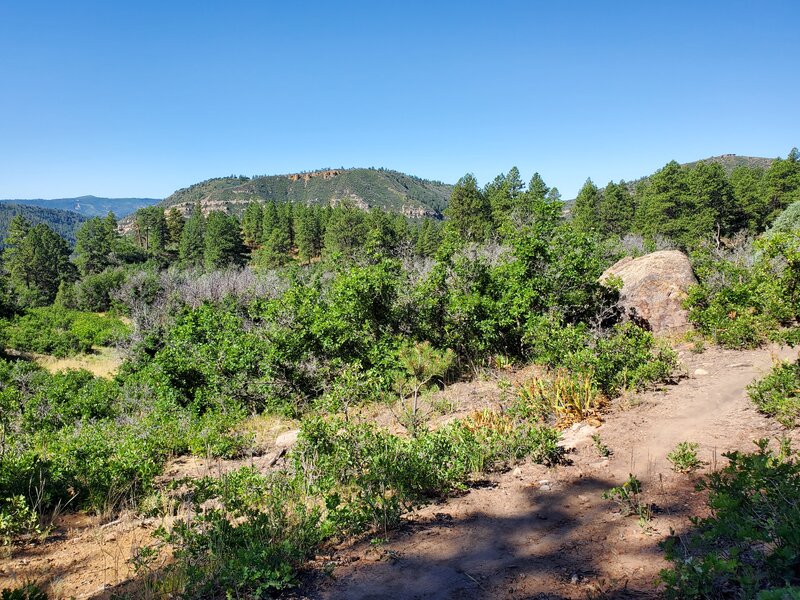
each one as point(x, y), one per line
point(539, 533)
point(532, 532)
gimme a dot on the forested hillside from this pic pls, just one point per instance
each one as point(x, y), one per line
point(64, 223)
point(684, 204)
point(91, 206)
point(366, 188)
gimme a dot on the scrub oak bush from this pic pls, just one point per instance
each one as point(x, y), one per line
point(749, 293)
point(778, 394)
point(61, 332)
point(750, 541)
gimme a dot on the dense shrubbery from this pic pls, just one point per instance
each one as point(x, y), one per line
point(61, 332)
point(750, 541)
point(778, 394)
point(748, 294)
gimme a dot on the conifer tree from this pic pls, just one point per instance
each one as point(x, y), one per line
point(192, 246)
point(223, 241)
point(252, 223)
point(585, 210)
point(615, 209)
point(469, 214)
point(37, 263)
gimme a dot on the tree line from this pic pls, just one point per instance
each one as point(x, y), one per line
point(689, 204)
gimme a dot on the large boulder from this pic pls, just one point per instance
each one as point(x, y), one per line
point(654, 287)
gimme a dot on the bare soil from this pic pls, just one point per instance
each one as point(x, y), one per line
point(535, 532)
point(531, 532)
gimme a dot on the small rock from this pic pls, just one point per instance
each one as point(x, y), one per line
point(574, 579)
point(517, 472)
point(287, 439)
point(740, 365)
point(545, 488)
point(700, 372)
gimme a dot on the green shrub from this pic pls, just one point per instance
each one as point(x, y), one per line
point(750, 541)
point(62, 332)
point(16, 518)
point(778, 394)
point(251, 541)
point(747, 296)
point(27, 591)
point(684, 457)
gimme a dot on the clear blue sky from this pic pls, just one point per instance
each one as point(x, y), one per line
point(141, 98)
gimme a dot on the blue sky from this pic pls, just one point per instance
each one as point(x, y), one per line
point(141, 98)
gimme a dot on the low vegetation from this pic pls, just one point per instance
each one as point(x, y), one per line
point(684, 457)
point(749, 544)
point(778, 394)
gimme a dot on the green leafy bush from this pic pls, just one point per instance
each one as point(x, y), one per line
point(749, 294)
point(249, 542)
point(684, 457)
point(750, 541)
point(778, 394)
point(61, 332)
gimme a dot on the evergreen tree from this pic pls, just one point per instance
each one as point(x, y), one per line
point(223, 241)
point(269, 221)
point(175, 222)
point(192, 246)
point(309, 233)
point(150, 230)
point(346, 232)
point(469, 214)
point(661, 204)
point(711, 209)
point(96, 245)
point(252, 223)
point(746, 186)
point(585, 210)
point(37, 263)
point(780, 185)
point(615, 210)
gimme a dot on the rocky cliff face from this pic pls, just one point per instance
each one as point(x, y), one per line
point(330, 174)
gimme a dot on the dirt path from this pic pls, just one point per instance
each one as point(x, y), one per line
point(539, 533)
point(532, 532)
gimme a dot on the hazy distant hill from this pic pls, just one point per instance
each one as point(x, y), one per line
point(367, 188)
point(91, 206)
point(63, 222)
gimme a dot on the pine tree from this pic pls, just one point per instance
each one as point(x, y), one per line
point(223, 241)
point(192, 246)
point(469, 214)
point(252, 223)
point(746, 186)
point(175, 222)
point(269, 221)
point(615, 209)
point(585, 210)
point(37, 264)
point(346, 232)
point(96, 245)
point(308, 236)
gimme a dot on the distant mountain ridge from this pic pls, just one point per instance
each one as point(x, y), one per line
point(89, 206)
point(63, 222)
point(366, 188)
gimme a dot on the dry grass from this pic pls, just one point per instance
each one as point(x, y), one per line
point(266, 428)
point(104, 362)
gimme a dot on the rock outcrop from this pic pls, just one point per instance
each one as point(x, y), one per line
point(654, 287)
